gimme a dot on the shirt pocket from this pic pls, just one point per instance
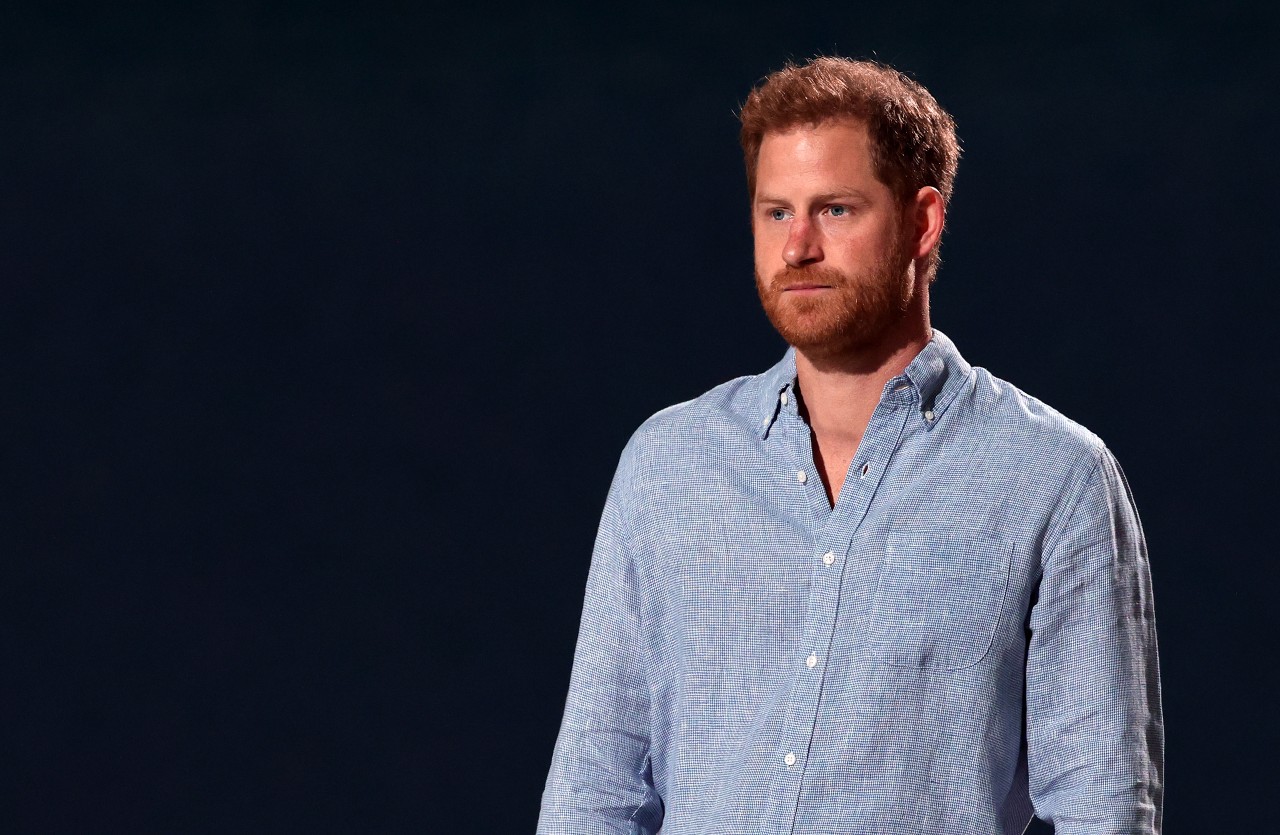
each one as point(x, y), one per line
point(939, 599)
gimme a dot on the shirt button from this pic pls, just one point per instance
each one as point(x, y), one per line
point(928, 414)
point(801, 477)
point(784, 398)
point(789, 759)
point(828, 558)
point(811, 661)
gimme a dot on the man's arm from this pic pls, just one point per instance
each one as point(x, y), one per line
point(599, 781)
point(1095, 732)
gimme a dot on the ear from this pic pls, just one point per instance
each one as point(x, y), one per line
point(928, 214)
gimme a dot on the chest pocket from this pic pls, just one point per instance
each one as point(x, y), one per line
point(939, 599)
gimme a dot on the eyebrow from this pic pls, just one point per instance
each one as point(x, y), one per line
point(826, 197)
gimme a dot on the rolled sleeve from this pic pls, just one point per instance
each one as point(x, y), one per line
point(1095, 732)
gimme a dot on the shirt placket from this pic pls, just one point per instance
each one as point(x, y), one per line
point(831, 544)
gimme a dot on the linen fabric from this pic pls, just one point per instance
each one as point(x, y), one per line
point(965, 639)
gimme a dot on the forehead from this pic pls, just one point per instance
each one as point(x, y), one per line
point(836, 148)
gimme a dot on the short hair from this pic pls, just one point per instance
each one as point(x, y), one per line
point(913, 140)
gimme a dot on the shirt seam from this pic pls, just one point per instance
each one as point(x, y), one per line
point(1051, 543)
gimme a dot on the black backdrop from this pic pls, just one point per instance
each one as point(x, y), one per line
point(326, 326)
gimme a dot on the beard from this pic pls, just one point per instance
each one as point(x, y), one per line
point(856, 313)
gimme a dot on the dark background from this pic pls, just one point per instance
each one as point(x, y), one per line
point(326, 326)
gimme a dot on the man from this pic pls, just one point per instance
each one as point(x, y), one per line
point(875, 589)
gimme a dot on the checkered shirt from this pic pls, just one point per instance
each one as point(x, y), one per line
point(966, 639)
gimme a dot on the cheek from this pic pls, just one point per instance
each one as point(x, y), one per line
point(759, 247)
point(861, 245)
point(768, 240)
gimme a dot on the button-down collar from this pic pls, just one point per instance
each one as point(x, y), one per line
point(931, 382)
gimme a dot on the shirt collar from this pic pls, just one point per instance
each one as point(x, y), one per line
point(774, 382)
point(934, 377)
point(937, 374)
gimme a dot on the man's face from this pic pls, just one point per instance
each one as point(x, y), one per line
point(832, 250)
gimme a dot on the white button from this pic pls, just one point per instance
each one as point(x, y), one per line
point(801, 477)
point(784, 398)
point(764, 422)
point(828, 558)
point(811, 661)
point(789, 759)
point(928, 414)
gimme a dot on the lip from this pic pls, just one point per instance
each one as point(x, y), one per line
point(805, 288)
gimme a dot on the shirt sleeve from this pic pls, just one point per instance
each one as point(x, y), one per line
point(600, 776)
point(1095, 730)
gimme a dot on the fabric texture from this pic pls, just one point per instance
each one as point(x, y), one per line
point(966, 639)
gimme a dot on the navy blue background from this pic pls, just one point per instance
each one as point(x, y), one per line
point(325, 328)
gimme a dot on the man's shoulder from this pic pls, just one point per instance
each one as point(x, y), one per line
point(733, 409)
point(1010, 416)
point(731, 403)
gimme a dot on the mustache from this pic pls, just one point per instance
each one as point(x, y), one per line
point(789, 278)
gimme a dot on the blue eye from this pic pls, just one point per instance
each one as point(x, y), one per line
point(777, 214)
point(839, 211)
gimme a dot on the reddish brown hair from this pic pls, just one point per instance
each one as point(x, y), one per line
point(913, 140)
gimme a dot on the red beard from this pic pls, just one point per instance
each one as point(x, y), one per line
point(856, 312)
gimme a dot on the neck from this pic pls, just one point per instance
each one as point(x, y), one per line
point(840, 392)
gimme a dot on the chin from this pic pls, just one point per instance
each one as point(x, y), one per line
point(861, 317)
point(837, 336)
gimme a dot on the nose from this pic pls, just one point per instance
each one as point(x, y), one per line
point(802, 245)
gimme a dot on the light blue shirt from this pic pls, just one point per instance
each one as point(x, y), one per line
point(966, 638)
